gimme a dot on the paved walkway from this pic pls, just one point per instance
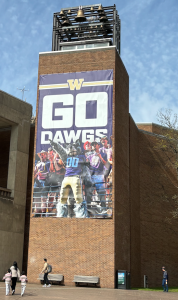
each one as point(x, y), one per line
point(35, 291)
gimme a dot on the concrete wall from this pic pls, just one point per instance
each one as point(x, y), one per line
point(28, 198)
point(4, 155)
point(16, 114)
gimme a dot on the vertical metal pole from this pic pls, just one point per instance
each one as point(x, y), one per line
point(117, 31)
point(119, 36)
point(114, 26)
point(54, 34)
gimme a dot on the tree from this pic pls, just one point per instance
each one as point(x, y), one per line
point(167, 143)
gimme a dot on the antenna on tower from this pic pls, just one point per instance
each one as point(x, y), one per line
point(23, 90)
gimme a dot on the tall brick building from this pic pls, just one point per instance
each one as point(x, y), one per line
point(141, 235)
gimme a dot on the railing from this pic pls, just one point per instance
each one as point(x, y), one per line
point(5, 193)
point(46, 199)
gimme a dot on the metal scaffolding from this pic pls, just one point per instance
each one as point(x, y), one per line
point(86, 24)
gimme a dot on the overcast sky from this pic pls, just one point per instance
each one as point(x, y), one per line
point(149, 49)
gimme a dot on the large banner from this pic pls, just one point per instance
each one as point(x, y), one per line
point(73, 160)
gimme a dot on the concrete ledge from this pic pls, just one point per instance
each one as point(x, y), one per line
point(5, 194)
point(15, 103)
point(77, 50)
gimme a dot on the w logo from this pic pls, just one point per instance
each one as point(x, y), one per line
point(75, 84)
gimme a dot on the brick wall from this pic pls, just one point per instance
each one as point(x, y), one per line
point(134, 195)
point(145, 126)
point(158, 228)
point(142, 236)
point(82, 246)
point(153, 223)
point(121, 168)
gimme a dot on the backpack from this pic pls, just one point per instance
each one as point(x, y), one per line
point(49, 268)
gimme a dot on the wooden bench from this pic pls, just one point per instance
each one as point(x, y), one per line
point(51, 277)
point(85, 279)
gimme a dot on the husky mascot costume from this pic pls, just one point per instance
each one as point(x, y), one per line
point(76, 168)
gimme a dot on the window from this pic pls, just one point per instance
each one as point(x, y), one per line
point(84, 46)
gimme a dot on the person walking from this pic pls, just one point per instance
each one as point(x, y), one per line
point(7, 278)
point(15, 274)
point(45, 271)
point(165, 280)
point(24, 280)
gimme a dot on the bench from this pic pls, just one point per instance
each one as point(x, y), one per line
point(51, 277)
point(85, 279)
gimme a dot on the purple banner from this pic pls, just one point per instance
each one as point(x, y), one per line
point(73, 163)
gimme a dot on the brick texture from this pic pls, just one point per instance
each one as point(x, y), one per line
point(134, 195)
point(157, 226)
point(145, 127)
point(121, 168)
point(142, 235)
point(153, 222)
point(87, 246)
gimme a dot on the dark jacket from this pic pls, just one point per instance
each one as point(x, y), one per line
point(165, 275)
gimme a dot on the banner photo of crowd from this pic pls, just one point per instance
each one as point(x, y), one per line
point(73, 159)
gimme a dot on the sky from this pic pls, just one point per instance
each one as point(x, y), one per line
point(149, 49)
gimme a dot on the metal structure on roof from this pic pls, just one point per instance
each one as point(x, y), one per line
point(86, 25)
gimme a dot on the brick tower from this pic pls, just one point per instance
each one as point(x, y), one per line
point(84, 52)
